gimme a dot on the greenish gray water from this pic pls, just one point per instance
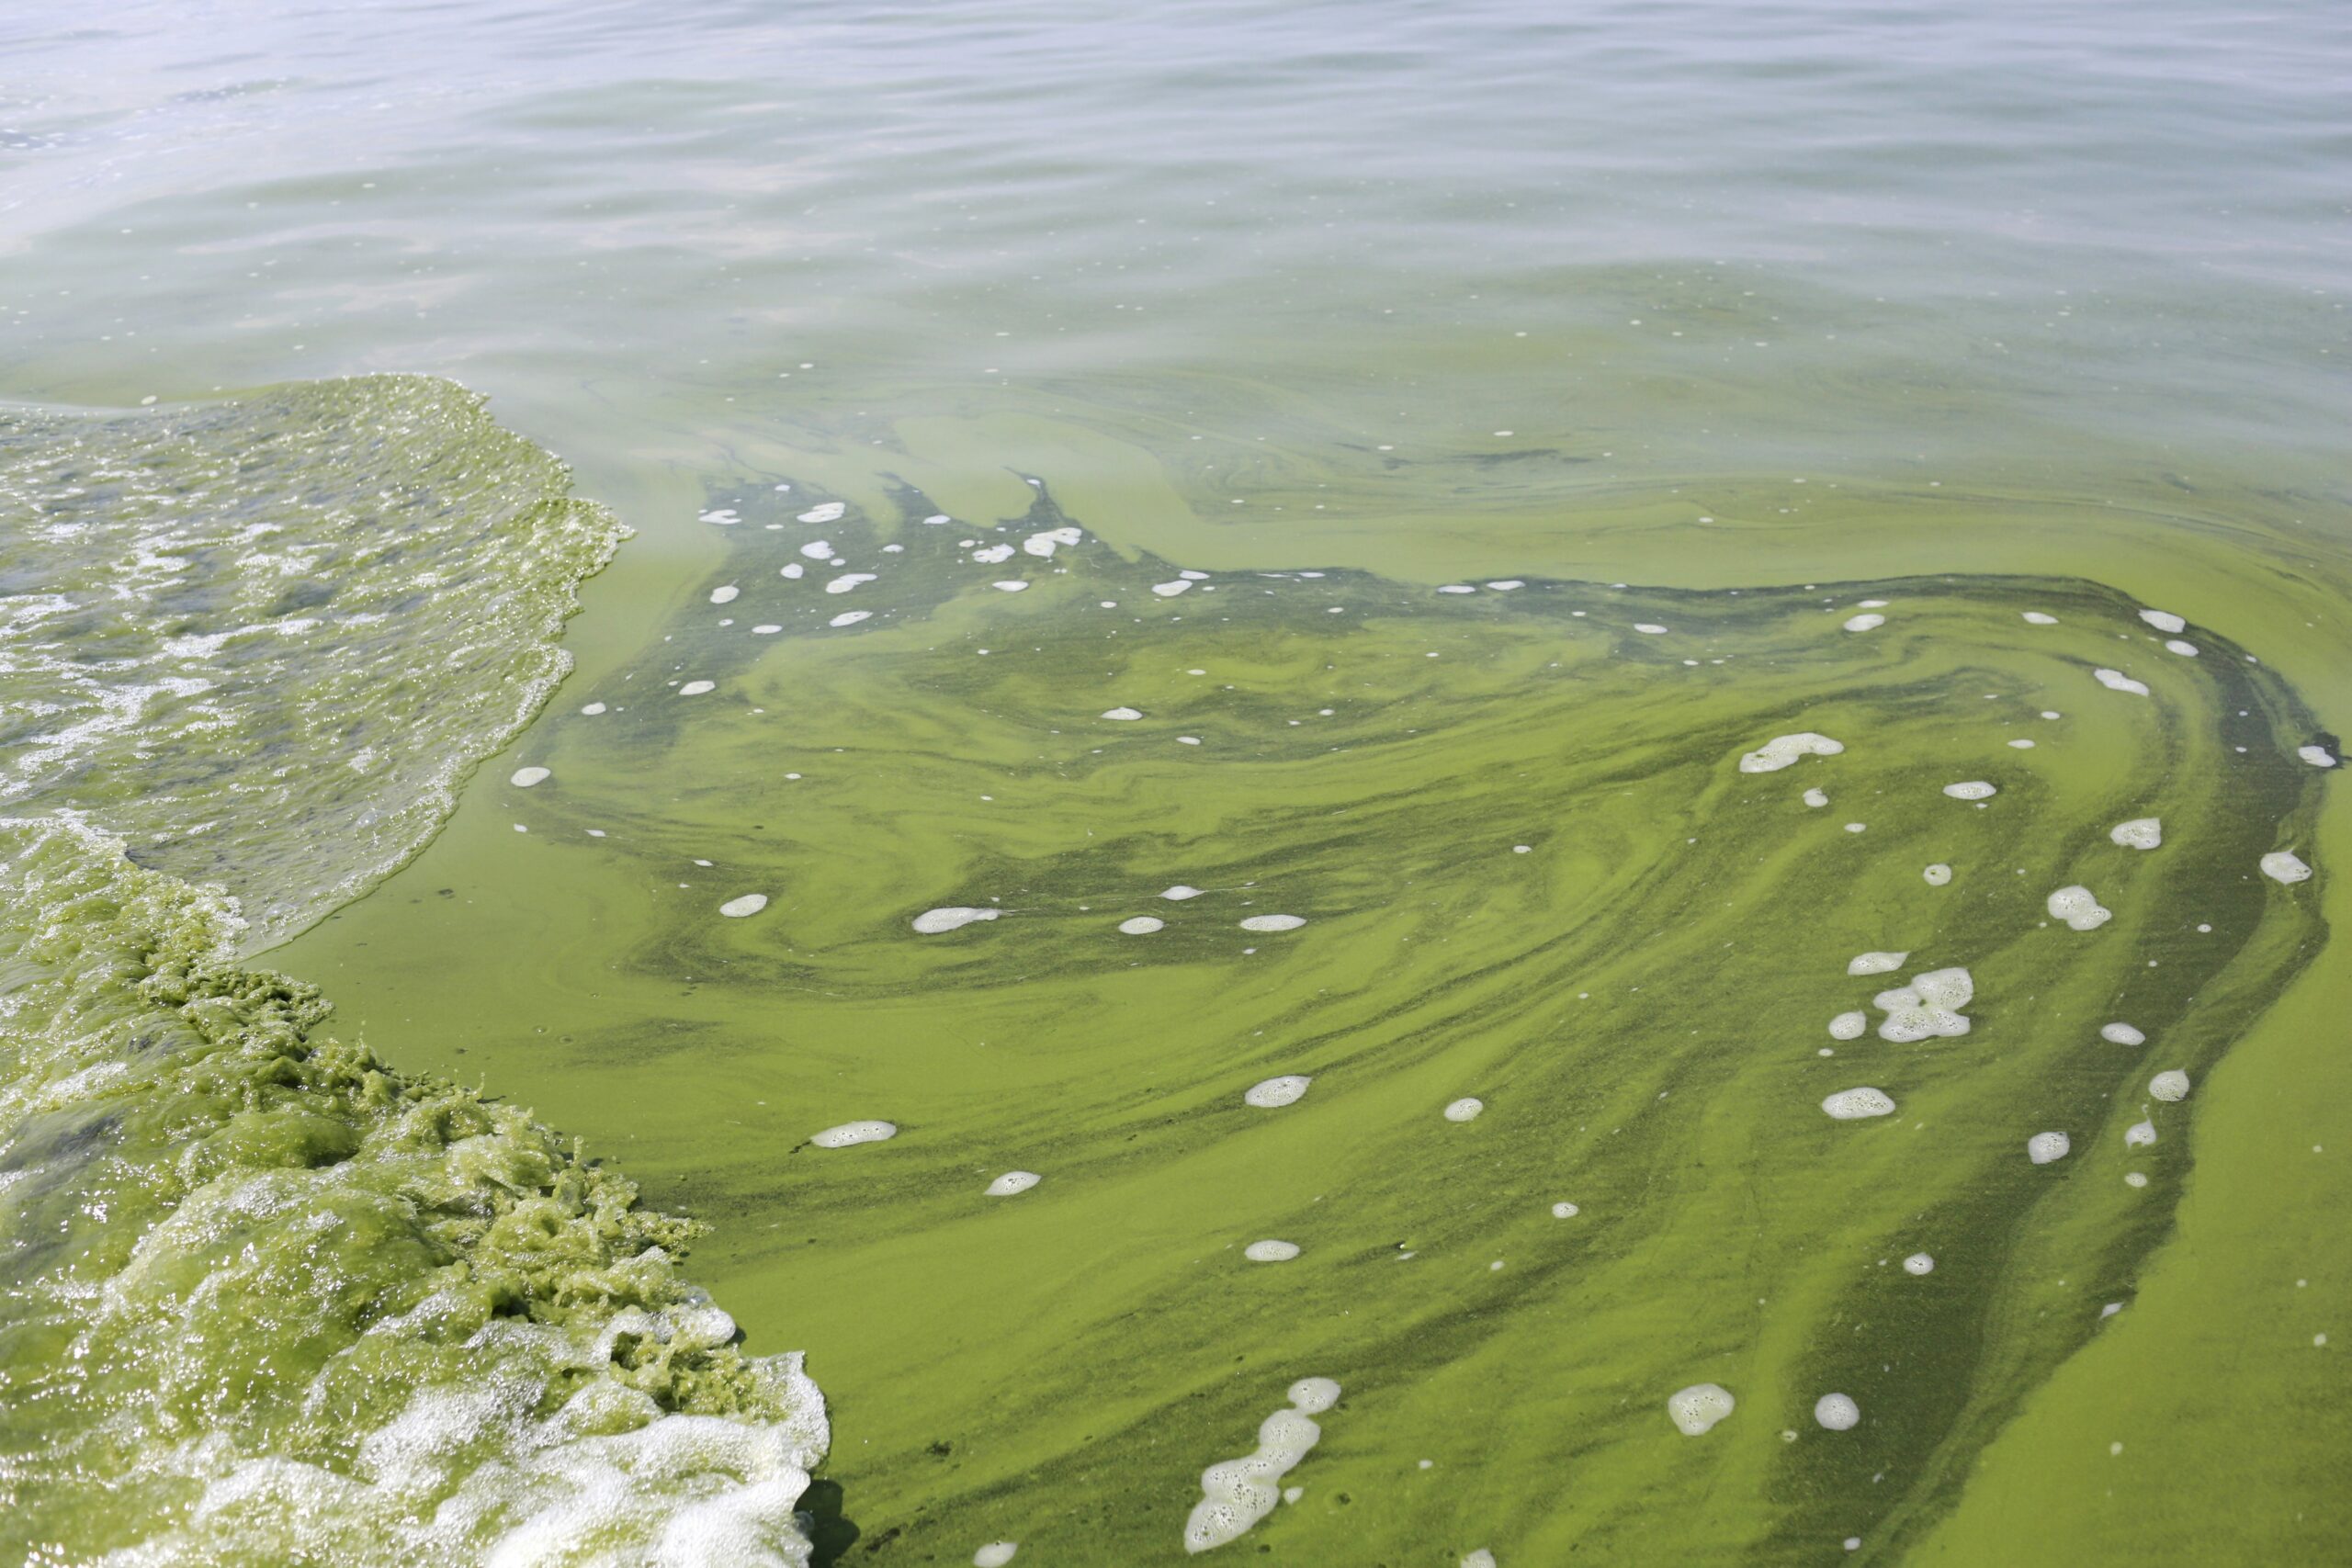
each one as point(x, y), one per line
point(1764, 311)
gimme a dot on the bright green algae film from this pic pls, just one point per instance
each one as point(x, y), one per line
point(265, 1299)
point(1532, 871)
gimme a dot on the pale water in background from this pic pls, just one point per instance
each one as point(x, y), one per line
point(1974, 309)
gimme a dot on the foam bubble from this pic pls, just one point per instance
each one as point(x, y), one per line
point(2280, 865)
point(2140, 833)
point(1929, 1007)
point(592, 710)
point(848, 581)
point(1506, 584)
point(2186, 649)
point(994, 555)
point(1466, 1109)
point(1170, 589)
point(2122, 1034)
point(2117, 681)
point(1457, 588)
point(1142, 925)
point(1973, 789)
point(1858, 1104)
point(1699, 1408)
point(1875, 962)
point(1848, 1025)
point(1013, 1182)
point(1179, 893)
point(995, 1554)
point(725, 516)
point(2045, 1148)
point(1649, 628)
point(1817, 798)
point(2317, 756)
point(1783, 749)
point(523, 778)
point(1273, 923)
point(1121, 714)
point(1865, 623)
point(1919, 1263)
point(1271, 1093)
point(818, 550)
point(2036, 619)
point(724, 595)
point(1009, 585)
point(850, 617)
point(2169, 1086)
point(932, 922)
point(749, 904)
point(2140, 1136)
point(1045, 543)
point(829, 511)
point(2076, 907)
point(1836, 1412)
point(792, 569)
point(1236, 1493)
point(1482, 1558)
point(853, 1133)
point(1271, 1251)
point(2163, 620)
point(1563, 1211)
point(1936, 874)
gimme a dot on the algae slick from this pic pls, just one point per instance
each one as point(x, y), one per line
point(267, 1300)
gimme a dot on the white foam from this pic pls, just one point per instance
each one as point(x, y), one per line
point(2169, 1086)
point(996, 1554)
point(2045, 1148)
point(1695, 1409)
point(829, 511)
point(592, 710)
point(1565, 1211)
point(1865, 623)
point(2186, 649)
point(1875, 962)
point(2141, 1134)
point(818, 550)
point(793, 569)
point(1179, 893)
point(1272, 1093)
point(993, 555)
point(1121, 714)
point(1817, 798)
point(523, 778)
point(1926, 1008)
point(2140, 833)
point(1482, 1558)
point(2036, 619)
point(1919, 1263)
point(1009, 585)
point(1271, 1251)
point(2021, 744)
point(1848, 1025)
point(1170, 589)
point(2163, 620)
point(1142, 925)
point(1011, 1183)
point(1506, 584)
point(2122, 1034)
point(851, 618)
point(2117, 681)
point(1836, 1412)
point(724, 595)
point(767, 629)
point(1273, 923)
point(1236, 1493)
point(1973, 789)
point(2317, 756)
point(848, 581)
point(853, 1133)
point(1457, 588)
point(1783, 749)
point(725, 516)
point(953, 917)
point(1466, 1109)
point(1649, 628)
point(749, 904)
point(2282, 866)
point(1858, 1104)
point(1936, 874)
point(2076, 907)
point(1045, 544)
point(697, 688)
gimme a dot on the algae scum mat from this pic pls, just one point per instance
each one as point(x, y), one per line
point(1279, 1062)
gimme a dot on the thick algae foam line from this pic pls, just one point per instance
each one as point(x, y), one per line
point(263, 639)
point(264, 1299)
point(1573, 986)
